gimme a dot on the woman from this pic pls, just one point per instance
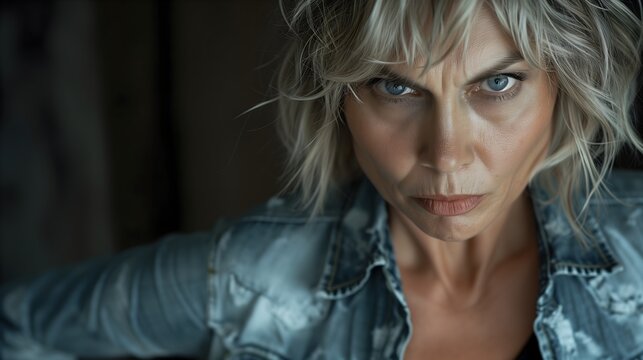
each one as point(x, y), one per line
point(447, 159)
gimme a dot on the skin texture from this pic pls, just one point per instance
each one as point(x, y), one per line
point(470, 278)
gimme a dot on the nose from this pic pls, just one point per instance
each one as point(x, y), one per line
point(446, 138)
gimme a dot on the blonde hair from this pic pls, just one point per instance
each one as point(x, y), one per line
point(592, 49)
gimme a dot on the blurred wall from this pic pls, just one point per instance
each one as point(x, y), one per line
point(120, 122)
point(54, 176)
point(224, 56)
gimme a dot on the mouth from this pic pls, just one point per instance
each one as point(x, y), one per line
point(449, 205)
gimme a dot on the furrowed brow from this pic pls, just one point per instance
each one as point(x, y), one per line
point(390, 74)
point(494, 69)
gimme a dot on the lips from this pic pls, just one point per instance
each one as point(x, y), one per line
point(449, 205)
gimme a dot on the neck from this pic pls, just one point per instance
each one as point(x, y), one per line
point(463, 270)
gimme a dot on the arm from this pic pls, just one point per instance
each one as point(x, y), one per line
point(148, 301)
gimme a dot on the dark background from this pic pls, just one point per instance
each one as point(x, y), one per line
point(119, 122)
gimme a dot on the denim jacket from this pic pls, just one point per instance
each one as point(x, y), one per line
point(276, 284)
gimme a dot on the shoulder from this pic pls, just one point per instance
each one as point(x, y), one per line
point(596, 281)
point(274, 239)
point(625, 185)
point(277, 252)
point(265, 270)
point(619, 217)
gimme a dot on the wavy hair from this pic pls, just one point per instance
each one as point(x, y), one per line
point(591, 47)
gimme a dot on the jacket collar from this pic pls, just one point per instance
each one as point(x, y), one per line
point(563, 251)
point(360, 242)
point(357, 242)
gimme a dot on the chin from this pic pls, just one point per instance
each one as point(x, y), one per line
point(449, 236)
point(449, 229)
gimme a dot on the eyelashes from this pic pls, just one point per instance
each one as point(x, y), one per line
point(382, 86)
point(393, 87)
point(496, 88)
point(486, 87)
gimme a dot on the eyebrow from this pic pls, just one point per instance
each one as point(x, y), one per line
point(500, 65)
point(494, 69)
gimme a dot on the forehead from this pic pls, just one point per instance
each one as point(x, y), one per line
point(486, 44)
point(488, 39)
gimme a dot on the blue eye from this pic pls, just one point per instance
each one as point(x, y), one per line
point(498, 83)
point(393, 88)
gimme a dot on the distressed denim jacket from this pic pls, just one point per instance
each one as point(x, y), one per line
point(275, 284)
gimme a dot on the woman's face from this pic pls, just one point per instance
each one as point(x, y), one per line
point(453, 148)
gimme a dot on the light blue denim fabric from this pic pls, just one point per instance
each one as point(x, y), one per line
point(276, 285)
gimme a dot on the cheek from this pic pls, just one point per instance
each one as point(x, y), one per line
point(382, 148)
point(516, 141)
